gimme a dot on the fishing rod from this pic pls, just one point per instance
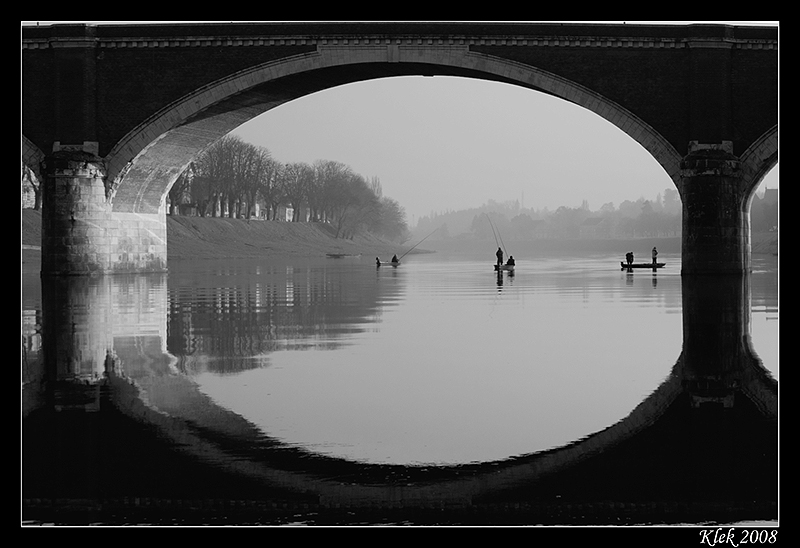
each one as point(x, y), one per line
point(497, 235)
point(492, 227)
point(422, 240)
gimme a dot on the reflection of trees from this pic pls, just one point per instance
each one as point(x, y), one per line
point(31, 343)
point(31, 189)
point(230, 329)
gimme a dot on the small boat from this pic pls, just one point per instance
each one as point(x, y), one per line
point(508, 267)
point(387, 263)
point(625, 265)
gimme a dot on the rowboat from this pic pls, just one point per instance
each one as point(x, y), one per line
point(625, 265)
point(342, 255)
point(387, 263)
point(508, 267)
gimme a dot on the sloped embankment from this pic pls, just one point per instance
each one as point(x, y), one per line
point(207, 238)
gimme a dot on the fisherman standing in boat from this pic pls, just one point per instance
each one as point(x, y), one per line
point(629, 257)
point(499, 255)
point(655, 254)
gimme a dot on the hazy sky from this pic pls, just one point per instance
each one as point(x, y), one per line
point(444, 143)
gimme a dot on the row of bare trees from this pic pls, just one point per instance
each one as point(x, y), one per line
point(239, 179)
point(31, 189)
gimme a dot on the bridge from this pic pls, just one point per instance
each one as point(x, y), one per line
point(112, 114)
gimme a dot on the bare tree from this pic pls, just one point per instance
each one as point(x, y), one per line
point(316, 189)
point(391, 221)
point(353, 204)
point(30, 180)
point(214, 174)
point(375, 186)
point(267, 176)
point(246, 168)
point(331, 177)
point(297, 177)
point(181, 190)
point(275, 198)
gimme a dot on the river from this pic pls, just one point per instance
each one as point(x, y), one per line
point(437, 364)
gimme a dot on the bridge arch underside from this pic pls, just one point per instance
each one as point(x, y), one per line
point(141, 178)
point(140, 169)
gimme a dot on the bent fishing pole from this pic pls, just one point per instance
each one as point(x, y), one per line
point(422, 240)
point(497, 235)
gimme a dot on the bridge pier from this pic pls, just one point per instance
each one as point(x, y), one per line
point(716, 215)
point(82, 235)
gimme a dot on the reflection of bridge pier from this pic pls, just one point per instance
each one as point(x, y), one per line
point(94, 325)
point(718, 360)
point(716, 337)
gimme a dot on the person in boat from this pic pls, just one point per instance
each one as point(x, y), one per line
point(499, 255)
point(655, 254)
point(629, 257)
point(378, 261)
point(395, 259)
point(511, 261)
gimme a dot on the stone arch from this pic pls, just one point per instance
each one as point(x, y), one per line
point(32, 157)
point(759, 159)
point(145, 163)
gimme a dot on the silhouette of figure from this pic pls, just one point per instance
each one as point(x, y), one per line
point(655, 254)
point(511, 261)
point(499, 255)
point(629, 257)
point(395, 259)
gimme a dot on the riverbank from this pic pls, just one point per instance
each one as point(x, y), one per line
point(221, 238)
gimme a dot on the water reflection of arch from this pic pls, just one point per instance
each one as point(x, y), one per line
point(717, 372)
point(218, 434)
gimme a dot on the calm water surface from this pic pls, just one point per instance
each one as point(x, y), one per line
point(439, 360)
point(299, 373)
